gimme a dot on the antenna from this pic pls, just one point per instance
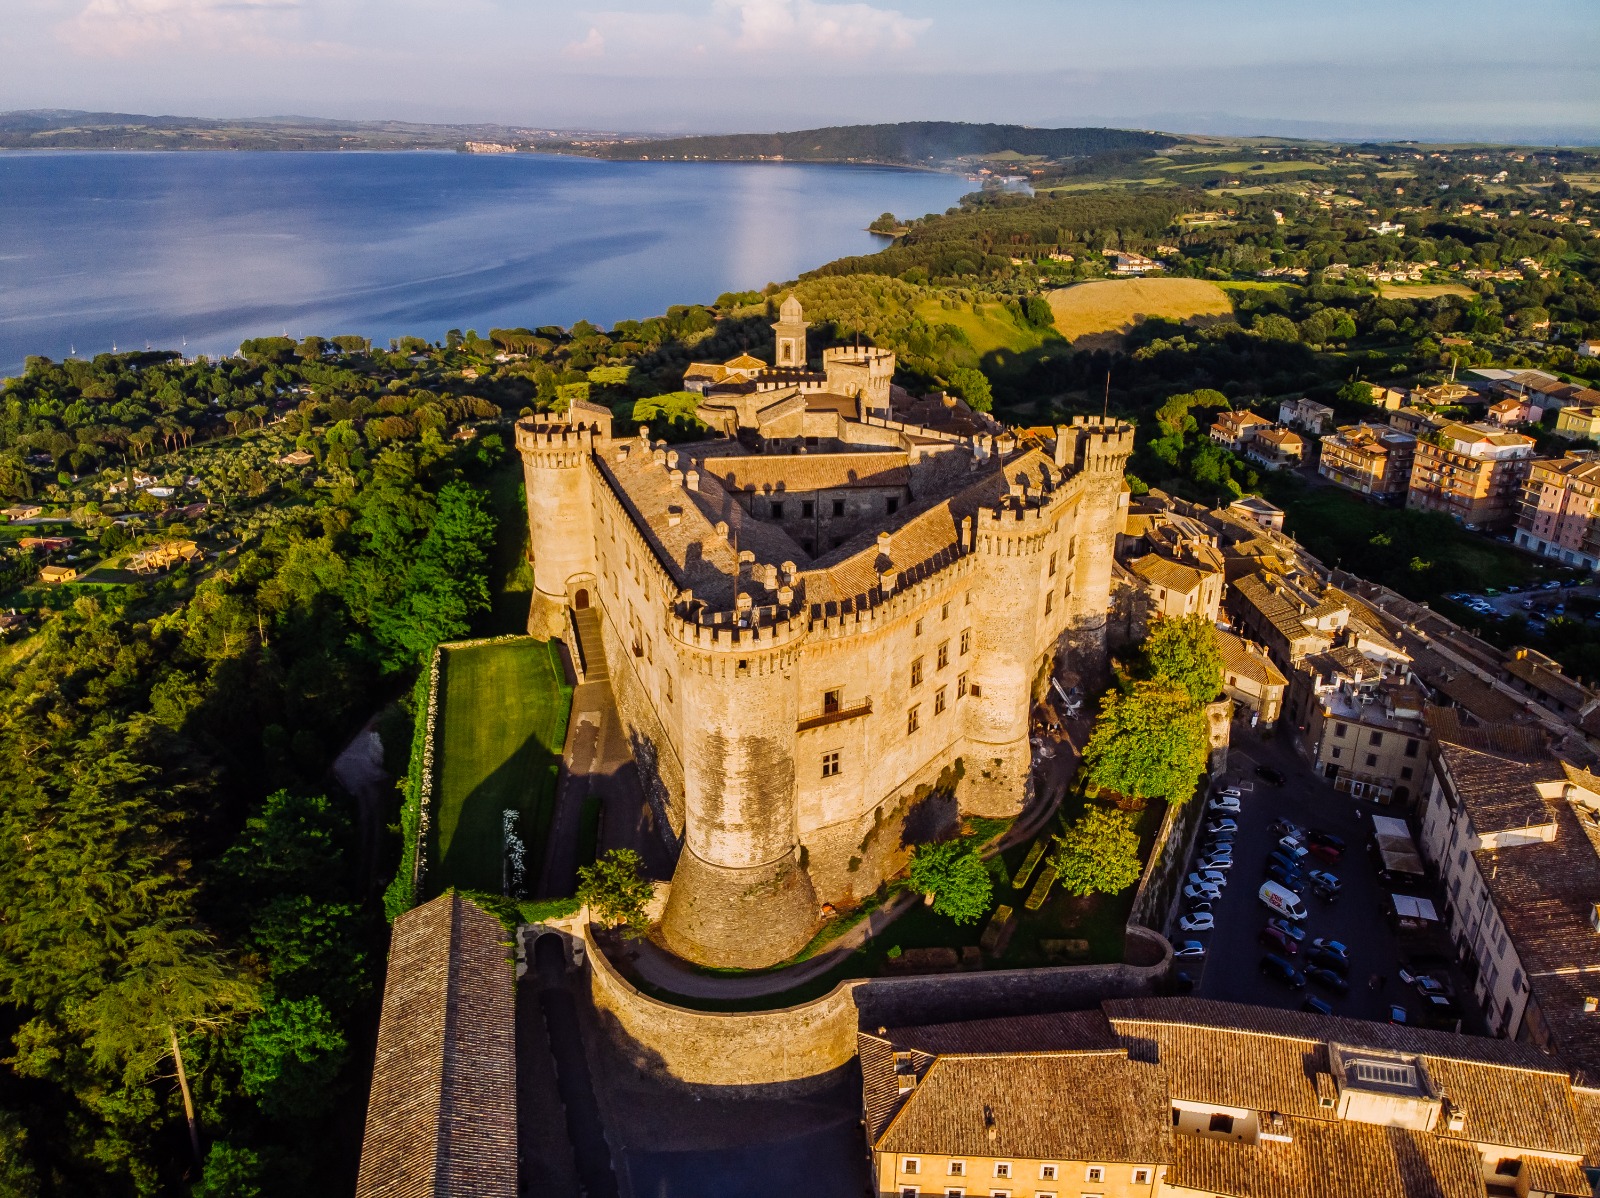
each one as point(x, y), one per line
point(1105, 406)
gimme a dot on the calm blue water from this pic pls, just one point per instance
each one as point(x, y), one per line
point(208, 248)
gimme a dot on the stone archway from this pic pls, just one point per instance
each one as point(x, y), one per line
point(580, 599)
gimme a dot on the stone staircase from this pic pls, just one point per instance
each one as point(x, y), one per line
point(589, 651)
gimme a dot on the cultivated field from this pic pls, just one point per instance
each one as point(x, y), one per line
point(989, 329)
point(1416, 291)
point(1108, 308)
point(502, 723)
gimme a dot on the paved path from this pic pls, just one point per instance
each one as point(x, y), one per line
point(559, 872)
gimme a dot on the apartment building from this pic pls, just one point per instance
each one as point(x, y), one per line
point(1360, 722)
point(1369, 459)
point(1202, 1099)
point(1276, 448)
point(1306, 415)
point(1250, 678)
point(1472, 473)
point(1578, 423)
point(1515, 836)
point(1559, 514)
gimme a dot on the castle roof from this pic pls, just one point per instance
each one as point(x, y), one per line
point(775, 474)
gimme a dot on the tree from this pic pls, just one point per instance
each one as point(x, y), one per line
point(1184, 651)
point(953, 875)
point(290, 1054)
point(973, 386)
point(1150, 742)
point(1356, 392)
point(1099, 854)
point(615, 890)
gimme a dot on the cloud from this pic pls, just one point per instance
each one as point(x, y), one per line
point(593, 46)
point(124, 27)
point(848, 29)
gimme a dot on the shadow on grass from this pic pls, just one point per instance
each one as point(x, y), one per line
point(525, 782)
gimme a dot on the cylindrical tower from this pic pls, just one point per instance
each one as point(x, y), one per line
point(1010, 607)
point(1099, 448)
point(559, 533)
point(740, 896)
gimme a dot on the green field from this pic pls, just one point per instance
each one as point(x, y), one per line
point(989, 329)
point(502, 722)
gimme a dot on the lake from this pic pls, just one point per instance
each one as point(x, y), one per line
point(198, 251)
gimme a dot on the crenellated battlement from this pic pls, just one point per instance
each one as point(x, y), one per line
point(1095, 444)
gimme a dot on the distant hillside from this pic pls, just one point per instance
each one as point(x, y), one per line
point(911, 143)
point(66, 129)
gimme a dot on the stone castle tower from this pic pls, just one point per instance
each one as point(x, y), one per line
point(815, 624)
point(791, 330)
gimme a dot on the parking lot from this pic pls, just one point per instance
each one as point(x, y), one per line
point(1230, 970)
point(1537, 604)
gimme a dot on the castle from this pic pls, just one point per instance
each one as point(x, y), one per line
point(837, 610)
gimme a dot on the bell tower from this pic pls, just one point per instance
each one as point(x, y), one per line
point(791, 331)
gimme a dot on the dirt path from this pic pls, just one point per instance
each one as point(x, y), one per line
point(359, 769)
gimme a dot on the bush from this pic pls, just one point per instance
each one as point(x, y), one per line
point(953, 873)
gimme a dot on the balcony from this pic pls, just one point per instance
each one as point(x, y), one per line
point(834, 713)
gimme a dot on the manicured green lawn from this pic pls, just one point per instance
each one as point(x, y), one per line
point(502, 722)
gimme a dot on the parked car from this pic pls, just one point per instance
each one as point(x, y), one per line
point(1279, 970)
point(1326, 853)
point(1326, 884)
point(1189, 948)
point(1327, 960)
point(1328, 838)
point(1328, 980)
point(1230, 792)
point(1224, 803)
point(1267, 774)
point(1202, 891)
point(1209, 877)
point(1201, 921)
point(1319, 1006)
point(1181, 983)
point(1279, 941)
point(1428, 987)
point(1283, 827)
point(1336, 947)
point(1397, 1013)
point(1222, 825)
point(1217, 846)
point(1219, 864)
point(1279, 857)
point(1288, 927)
point(1289, 879)
point(1290, 847)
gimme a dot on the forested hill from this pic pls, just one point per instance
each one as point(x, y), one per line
point(912, 143)
point(68, 129)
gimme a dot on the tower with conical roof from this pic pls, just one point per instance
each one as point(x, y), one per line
point(791, 330)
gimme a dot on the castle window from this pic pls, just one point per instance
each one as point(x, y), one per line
point(938, 701)
point(1002, 1168)
point(808, 509)
point(944, 655)
point(744, 665)
point(1094, 1173)
point(1052, 565)
point(961, 686)
point(916, 672)
point(777, 509)
point(910, 1165)
point(966, 641)
point(913, 721)
point(830, 701)
point(1141, 1177)
point(838, 507)
point(894, 505)
point(958, 1168)
point(918, 631)
point(830, 769)
point(666, 686)
point(1049, 602)
point(1047, 1172)
point(944, 612)
point(1219, 1123)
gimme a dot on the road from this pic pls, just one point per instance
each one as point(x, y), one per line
point(1230, 970)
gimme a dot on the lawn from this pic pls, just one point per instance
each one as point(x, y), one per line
point(510, 575)
point(1248, 168)
point(1416, 291)
point(502, 723)
point(989, 329)
point(1110, 307)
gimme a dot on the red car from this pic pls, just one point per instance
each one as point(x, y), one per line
point(1327, 852)
point(1275, 938)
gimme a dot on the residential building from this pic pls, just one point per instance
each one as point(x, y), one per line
point(1529, 672)
point(1388, 398)
point(1369, 459)
point(1559, 516)
point(1259, 510)
point(1202, 1099)
point(1184, 582)
point(1415, 421)
point(1306, 415)
point(1589, 349)
point(1515, 836)
point(1577, 423)
point(22, 511)
point(1235, 430)
point(1131, 264)
point(55, 574)
point(1362, 724)
point(1250, 678)
point(1472, 473)
point(1515, 409)
point(1276, 448)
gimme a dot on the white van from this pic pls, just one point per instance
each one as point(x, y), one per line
point(1282, 900)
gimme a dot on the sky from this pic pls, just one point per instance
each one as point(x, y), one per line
point(1441, 69)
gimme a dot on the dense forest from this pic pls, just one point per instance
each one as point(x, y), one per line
point(181, 880)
